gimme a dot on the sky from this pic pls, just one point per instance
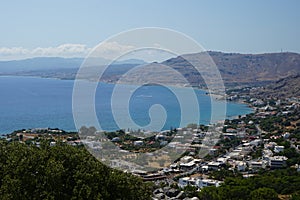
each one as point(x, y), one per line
point(71, 28)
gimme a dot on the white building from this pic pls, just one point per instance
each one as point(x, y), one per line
point(138, 143)
point(186, 159)
point(198, 182)
point(208, 182)
point(185, 181)
point(277, 162)
point(278, 149)
point(258, 164)
point(256, 142)
point(187, 166)
point(241, 166)
point(215, 165)
point(222, 160)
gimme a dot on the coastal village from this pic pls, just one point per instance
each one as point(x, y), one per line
point(265, 140)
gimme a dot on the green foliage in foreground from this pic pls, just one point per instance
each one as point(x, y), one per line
point(62, 172)
point(265, 186)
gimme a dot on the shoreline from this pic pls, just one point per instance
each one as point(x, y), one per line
point(205, 92)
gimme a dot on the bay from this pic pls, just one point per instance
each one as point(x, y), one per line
point(33, 102)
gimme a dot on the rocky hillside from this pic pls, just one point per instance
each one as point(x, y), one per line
point(286, 87)
point(237, 69)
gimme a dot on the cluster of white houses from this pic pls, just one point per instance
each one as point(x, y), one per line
point(198, 182)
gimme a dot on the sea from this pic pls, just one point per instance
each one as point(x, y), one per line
point(34, 102)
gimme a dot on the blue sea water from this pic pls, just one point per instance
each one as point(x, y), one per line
point(32, 102)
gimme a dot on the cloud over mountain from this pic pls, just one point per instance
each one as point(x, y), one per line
point(64, 50)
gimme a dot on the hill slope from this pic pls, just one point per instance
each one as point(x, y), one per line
point(235, 68)
point(241, 68)
point(283, 88)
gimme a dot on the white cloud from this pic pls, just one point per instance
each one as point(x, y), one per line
point(112, 50)
point(109, 50)
point(4, 51)
point(64, 50)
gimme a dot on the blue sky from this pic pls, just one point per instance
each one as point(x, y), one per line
point(231, 26)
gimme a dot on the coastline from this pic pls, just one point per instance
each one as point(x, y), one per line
point(7, 130)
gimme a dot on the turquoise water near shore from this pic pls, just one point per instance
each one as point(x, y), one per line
point(32, 102)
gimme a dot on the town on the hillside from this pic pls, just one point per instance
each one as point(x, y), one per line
point(265, 140)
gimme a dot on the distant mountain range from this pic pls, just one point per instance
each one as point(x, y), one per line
point(40, 63)
point(63, 68)
point(236, 69)
point(54, 63)
point(242, 69)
